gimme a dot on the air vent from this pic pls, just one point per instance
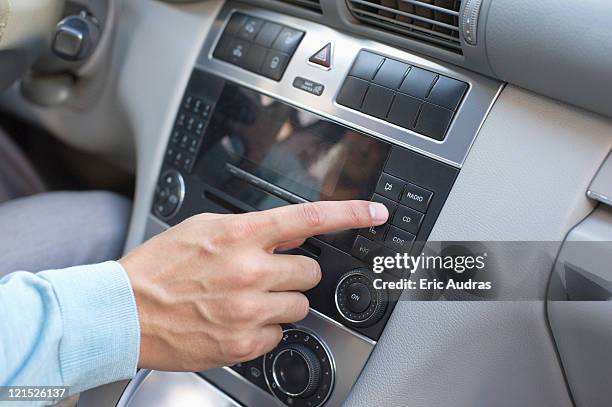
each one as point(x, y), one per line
point(313, 5)
point(433, 21)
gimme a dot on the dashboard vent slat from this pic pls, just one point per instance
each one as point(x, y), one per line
point(433, 21)
point(313, 5)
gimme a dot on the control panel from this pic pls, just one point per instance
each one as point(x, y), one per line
point(259, 46)
point(408, 96)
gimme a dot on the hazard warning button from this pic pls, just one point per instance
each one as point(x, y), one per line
point(323, 56)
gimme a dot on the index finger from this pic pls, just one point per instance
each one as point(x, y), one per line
point(315, 218)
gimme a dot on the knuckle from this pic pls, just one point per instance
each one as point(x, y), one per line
point(245, 311)
point(312, 214)
point(247, 274)
point(244, 347)
point(241, 227)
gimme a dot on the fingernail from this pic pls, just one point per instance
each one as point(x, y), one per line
point(378, 212)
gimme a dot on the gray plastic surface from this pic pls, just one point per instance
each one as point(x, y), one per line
point(524, 180)
point(583, 329)
point(562, 49)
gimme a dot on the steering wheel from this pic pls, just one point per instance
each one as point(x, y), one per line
point(26, 27)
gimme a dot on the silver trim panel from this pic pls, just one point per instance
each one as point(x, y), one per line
point(350, 353)
point(173, 389)
point(453, 150)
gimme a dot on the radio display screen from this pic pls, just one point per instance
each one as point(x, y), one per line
point(303, 153)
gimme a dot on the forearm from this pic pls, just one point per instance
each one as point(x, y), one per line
point(76, 327)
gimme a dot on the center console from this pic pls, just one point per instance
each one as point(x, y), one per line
point(280, 111)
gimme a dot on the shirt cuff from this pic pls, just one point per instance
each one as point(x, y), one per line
point(101, 331)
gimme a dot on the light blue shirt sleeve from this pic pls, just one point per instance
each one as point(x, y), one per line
point(75, 327)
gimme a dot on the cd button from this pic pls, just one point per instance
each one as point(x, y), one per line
point(408, 219)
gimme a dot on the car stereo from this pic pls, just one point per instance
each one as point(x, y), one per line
point(234, 150)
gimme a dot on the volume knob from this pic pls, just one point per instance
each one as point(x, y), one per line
point(357, 300)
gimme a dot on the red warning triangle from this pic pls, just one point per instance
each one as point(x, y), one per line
point(323, 56)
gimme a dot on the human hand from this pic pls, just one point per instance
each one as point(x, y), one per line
point(211, 291)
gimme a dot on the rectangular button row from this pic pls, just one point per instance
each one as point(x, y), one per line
point(405, 192)
point(404, 95)
point(257, 45)
point(187, 134)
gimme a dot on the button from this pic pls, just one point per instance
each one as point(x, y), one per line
point(223, 48)
point(391, 73)
point(416, 197)
point(274, 64)
point(404, 111)
point(447, 92)
point(237, 51)
point(352, 93)
point(188, 102)
point(387, 202)
point(250, 28)
point(254, 372)
point(418, 82)
point(234, 24)
point(399, 240)
point(288, 40)
point(358, 297)
point(433, 121)
point(407, 219)
point(365, 249)
point(323, 56)
point(366, 65)
point(377, 101)
point(254, 58)
point(308, 86)
point(376, 233)
point(183, 141)
point(268, 34)
point(389, 186)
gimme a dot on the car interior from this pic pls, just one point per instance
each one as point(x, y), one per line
point(480, 121)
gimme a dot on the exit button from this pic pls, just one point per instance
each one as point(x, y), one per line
point(358, 297)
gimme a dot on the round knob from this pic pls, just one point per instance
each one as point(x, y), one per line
point(300, 370)
point(357, 300)
point(76, 37)
point(296, 370)
point(169, 194)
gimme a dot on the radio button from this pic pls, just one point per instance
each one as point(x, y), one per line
point(416, 197)
point(389, 186)
point(408, 219)
point(399, 240)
